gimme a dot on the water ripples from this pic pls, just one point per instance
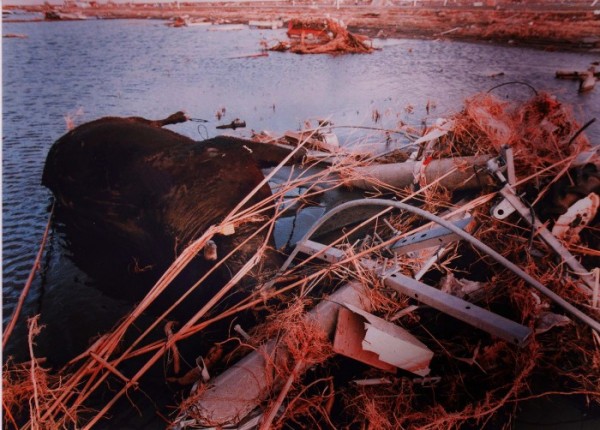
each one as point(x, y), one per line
point(146, 69)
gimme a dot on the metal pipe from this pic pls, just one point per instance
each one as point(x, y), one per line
point(400, 175)
point(586, 319)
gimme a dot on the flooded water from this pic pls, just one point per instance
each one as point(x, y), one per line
point(85, 70)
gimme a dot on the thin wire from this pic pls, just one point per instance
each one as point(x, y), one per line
point(201, 127)
point(578, 132)
point(514, 83)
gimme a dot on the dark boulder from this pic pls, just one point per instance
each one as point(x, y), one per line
point(131, 195)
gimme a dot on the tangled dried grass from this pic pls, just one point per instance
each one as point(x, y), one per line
point(545, 137)
point(539, 131)
point(495, 375)
point(28, 388)
point(303, 340)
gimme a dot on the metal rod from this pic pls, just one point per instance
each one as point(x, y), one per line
point(569, 259)
point(586, 319)
point(456, 307)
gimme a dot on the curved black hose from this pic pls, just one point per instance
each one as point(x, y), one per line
point(583, 127)
point(514, 83)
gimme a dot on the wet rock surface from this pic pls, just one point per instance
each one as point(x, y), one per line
point(132, 195)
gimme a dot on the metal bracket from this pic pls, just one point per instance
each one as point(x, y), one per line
point(528, 215)
point(503, 209)
point(540, 229)
point(435, 237)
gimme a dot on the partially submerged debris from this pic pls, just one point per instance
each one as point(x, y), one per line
point(15, 36)
point(236, 123)
point(178, 21)
point(308, 29)
point(467, 284)
point(273, 25)
point(320, 140)
point(228, 27)
point(56, 15)
point(587, 78)
point(322, 37)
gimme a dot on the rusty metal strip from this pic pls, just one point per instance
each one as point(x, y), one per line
point(460, 309)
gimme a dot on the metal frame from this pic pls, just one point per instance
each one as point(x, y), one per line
point(458, 308)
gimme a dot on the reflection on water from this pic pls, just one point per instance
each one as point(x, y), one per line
point(85, 70)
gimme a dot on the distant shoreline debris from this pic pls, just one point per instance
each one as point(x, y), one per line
point(560, 27)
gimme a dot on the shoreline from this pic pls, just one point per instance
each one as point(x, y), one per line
point(556, 28)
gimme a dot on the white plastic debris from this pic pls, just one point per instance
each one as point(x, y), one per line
point(393, 344)
point(568, 225)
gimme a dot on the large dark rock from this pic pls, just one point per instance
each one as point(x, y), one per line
point(132, 195)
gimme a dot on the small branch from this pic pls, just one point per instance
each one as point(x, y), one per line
point(270, 416)
point(34, 331)
point(25, 292)
point(113, 369)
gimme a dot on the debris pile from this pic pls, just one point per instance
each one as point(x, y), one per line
point(587, 78)
point(178, 21)
point(421, 280)
point(327, 36)
point(442, 299)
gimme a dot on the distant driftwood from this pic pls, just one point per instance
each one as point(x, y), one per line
point(587, 79)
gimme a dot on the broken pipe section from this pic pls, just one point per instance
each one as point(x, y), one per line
point(459, 173)
point(236, 392)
